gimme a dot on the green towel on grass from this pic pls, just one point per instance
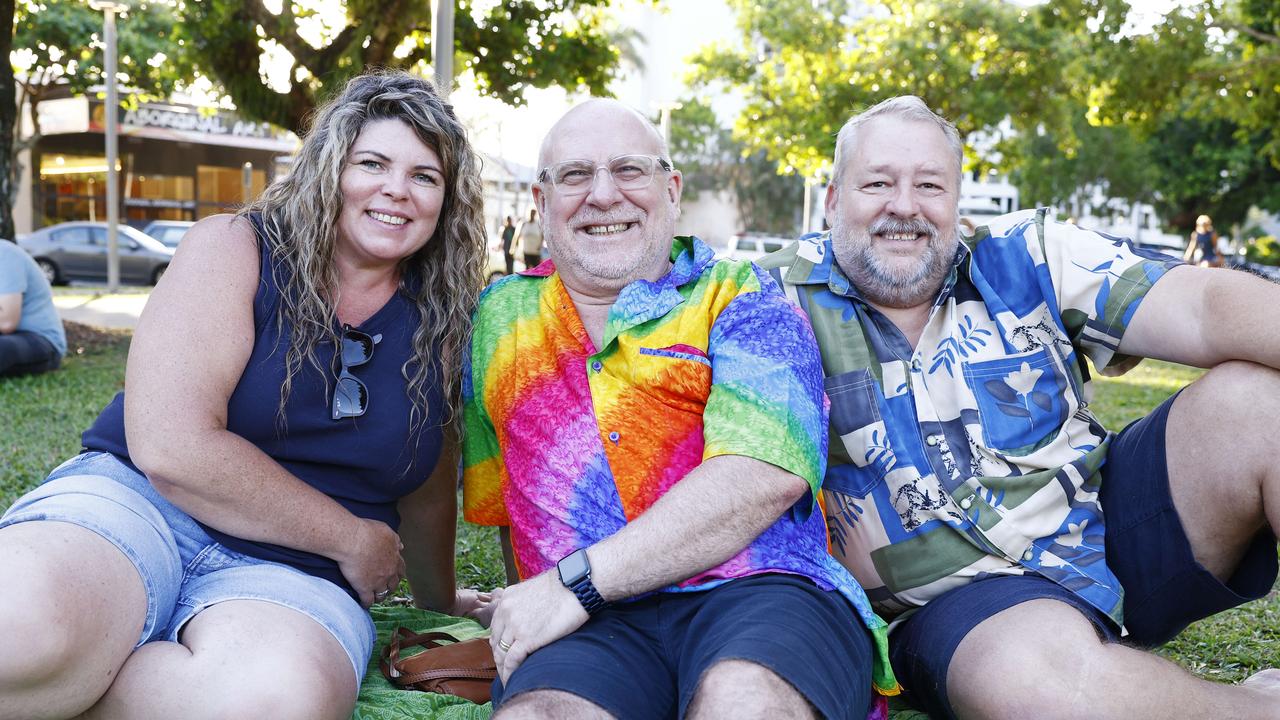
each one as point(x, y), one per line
point(380, 700)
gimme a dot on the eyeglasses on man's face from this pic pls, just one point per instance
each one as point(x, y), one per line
point(350, 395)
point(628, 172)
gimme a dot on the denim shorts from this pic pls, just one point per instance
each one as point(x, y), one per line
point(644, 659)
point(183, 570)
point(1165, 588)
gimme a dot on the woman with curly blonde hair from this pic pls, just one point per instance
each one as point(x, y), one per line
point(1202, 246)
point(283, 453)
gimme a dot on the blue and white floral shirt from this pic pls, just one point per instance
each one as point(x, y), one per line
point(974, 452)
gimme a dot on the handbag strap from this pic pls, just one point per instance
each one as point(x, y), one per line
point(390, 661)
point(445, 673)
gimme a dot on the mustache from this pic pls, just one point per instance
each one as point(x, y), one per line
point(890, 225)
point(592, 216)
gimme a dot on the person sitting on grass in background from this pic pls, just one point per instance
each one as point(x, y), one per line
point(289, 403)
point(646, 425)
point(1027, 553)
point(32, 339)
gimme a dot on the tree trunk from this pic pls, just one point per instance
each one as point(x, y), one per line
point(8, 122)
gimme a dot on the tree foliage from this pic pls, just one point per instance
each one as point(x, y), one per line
point(1113, 158)
point(1058, 95)
point(58, 47)
point(710, 160)
point(8, 121)
point(805, 66)
point(1210, 166)
point(508, 47)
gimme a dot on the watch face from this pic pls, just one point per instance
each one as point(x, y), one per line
point(574, 567)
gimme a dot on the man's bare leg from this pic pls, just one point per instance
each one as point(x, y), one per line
point(745, 690)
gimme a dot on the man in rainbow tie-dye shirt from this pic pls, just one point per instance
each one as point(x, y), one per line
point(647, 425)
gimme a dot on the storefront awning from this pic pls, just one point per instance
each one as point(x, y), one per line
point(173, 123)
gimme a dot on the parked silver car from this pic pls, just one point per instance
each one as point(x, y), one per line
point(169, 232)
point(78, 251)
point(753, 246)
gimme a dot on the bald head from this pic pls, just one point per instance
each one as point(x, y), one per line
point(612, 228)
point(592, 115)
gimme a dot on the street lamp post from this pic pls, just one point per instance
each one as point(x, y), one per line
point(246, 182)
point(442, 45)
point(664, 119)
point(109, 10)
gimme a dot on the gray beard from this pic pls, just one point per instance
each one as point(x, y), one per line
point(883, 284)
point(611, 272)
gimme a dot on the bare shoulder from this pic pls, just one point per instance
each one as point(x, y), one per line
point(231, 234)
point(218, 247)
point(216, 264)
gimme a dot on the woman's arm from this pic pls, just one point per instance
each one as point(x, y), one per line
point(190, 348)
point(428, 531)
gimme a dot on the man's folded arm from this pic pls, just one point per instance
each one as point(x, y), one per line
point(708, 517)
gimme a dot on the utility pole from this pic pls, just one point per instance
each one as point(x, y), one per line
point(112, 114)
point(442, 45)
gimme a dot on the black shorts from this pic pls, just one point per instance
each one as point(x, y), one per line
point(1165, 588)
point(644, 659)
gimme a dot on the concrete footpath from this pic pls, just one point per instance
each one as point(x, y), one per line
point(101, 310)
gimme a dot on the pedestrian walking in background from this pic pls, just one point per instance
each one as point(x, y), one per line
point(531, 240)
point(508, 237)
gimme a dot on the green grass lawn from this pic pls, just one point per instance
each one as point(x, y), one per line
point(44, 415)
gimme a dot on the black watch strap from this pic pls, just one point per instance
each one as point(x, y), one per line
point(575, 574)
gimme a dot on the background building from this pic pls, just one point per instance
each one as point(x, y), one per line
point(176, 162)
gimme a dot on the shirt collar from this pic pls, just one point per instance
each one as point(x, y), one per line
point(645, 300)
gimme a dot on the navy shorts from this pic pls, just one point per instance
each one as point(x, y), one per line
point(644, 659)
point(1165, 589)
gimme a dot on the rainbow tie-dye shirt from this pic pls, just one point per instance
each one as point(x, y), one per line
point(565, 443)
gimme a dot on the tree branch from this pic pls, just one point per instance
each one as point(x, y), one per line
point(283, 29)
point(1250, 31)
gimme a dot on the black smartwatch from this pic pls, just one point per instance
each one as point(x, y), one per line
point(575, 573)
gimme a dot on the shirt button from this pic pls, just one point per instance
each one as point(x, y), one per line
point(931, 440)
point(613, 437)
point(966, 503)
point(1028, 555)
point(915, 364)
point(597, 365)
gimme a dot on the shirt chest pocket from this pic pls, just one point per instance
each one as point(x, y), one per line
point(1023, 401)
point(861, 453)
point(677, 376)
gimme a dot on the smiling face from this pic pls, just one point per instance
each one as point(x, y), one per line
point(392, 191)
point(605, 238)
point(894, 213)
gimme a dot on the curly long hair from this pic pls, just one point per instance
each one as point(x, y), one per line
point(300, 213)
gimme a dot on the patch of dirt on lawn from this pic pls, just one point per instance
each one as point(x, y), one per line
point(83, 338)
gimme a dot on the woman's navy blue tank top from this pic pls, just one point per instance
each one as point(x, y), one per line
point(1208, 251)
point(365, 463)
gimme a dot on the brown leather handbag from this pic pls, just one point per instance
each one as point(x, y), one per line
point(462, 667)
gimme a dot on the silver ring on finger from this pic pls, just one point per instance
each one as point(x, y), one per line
point(504, 646)
point(381, 595)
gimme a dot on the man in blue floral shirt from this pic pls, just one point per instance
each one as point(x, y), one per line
point(1024, 549)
